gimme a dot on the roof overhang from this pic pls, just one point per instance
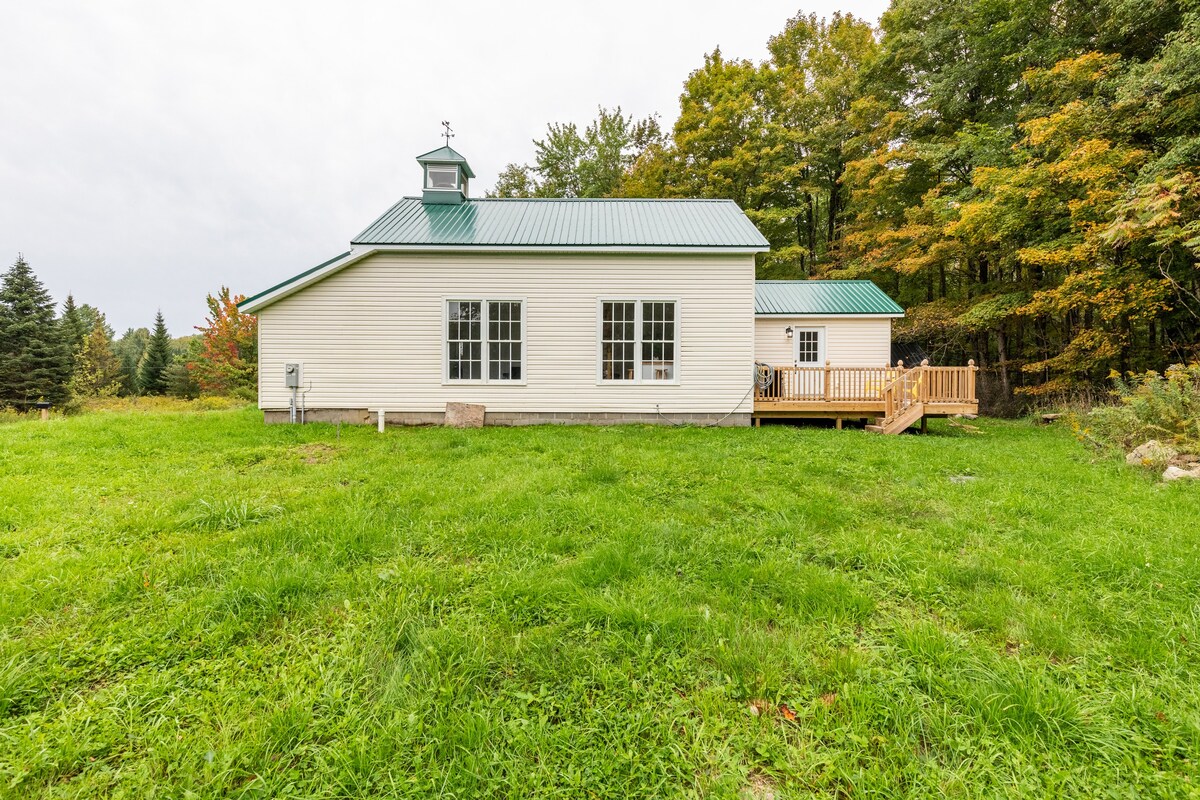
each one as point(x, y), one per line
point(446, 155)
point(318, 273)
point(827, 315)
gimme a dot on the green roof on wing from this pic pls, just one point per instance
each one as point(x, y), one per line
point(550, 223)
point(822, 298)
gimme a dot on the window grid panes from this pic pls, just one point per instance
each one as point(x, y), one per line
point(442, 177)
point(658, 341)
point(504, 341)
point(484, 334)
point(638, 340)
point(464, 340)
point(617, 340)
point(808, 347)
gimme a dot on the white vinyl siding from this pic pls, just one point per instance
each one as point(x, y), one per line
point(373, 335)
point(849, 341)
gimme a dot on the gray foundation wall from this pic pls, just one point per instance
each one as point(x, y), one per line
point(361, 416)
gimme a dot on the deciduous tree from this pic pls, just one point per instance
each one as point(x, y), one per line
point(228, 358)
point(591, 163)
point(97, 369)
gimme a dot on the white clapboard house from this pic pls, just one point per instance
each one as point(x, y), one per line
point(571, 311)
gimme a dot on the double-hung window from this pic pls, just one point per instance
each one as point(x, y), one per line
point(485, 340)
point(639, 340)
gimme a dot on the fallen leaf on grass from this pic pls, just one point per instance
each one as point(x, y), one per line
point(759, 708)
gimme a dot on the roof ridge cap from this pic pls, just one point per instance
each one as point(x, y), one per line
point(595, 199)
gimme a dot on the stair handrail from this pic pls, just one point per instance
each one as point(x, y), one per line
point(889, 391)
point(904, 377)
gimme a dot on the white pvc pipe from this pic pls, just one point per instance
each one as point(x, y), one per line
point(381, 416)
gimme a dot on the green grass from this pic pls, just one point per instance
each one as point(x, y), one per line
point(195, 604)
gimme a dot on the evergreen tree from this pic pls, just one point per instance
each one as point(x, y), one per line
point(180, 380)
point(75, 330)
point(34, 359)
point(152, 372)
point(89, 314)
point(129, 349)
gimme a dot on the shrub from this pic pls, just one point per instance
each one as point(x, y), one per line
point(8, 414)
point(155, 405)
point(1152, 406)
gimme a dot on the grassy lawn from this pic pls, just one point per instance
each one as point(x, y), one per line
point(198, 603)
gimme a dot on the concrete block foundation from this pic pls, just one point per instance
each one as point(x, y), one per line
point(362, 416)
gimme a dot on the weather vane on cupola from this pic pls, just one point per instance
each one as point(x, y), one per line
point(446, 132)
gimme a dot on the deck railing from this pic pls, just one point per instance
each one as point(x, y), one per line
point(831, 384)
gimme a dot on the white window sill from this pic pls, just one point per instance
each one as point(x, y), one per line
point(603, 382)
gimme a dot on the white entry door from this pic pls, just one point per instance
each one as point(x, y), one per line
point(808, 347)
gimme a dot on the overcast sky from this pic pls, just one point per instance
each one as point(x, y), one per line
point(152, 151)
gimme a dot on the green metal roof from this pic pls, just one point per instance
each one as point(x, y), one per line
point(823, 298)
point(446, 155)
point(293, 279)
point(549, 223)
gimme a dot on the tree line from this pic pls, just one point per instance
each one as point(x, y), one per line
point(70, 357)
point(1022, 175)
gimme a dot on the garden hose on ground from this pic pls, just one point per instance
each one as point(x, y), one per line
point(764, 378)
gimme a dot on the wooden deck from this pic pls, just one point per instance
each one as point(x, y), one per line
point(895, 398)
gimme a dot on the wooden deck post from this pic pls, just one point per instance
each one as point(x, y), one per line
point(842, 393)
point(838, 423)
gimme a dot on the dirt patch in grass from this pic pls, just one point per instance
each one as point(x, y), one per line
point(315, 452)
point(759, 786)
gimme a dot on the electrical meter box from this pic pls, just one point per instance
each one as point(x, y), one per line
point(291, 376)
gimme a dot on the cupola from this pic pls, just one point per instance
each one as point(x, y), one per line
point(445, 173)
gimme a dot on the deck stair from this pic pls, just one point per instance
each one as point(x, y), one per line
point(903, 401)
point(896, 397)
point(901, 422)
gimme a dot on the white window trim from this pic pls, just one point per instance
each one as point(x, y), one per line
point(457, 177)
point(820, 331)
point(486, 312)
point(638, 380)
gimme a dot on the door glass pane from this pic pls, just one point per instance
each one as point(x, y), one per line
point(808, 347)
